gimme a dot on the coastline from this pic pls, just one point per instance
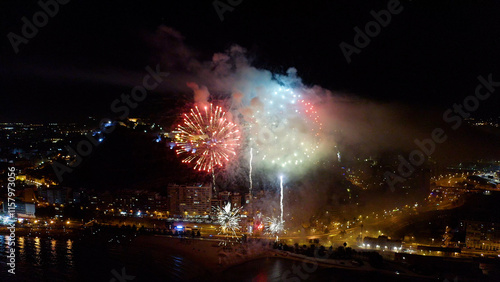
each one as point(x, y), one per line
point(213, 260)
point(41, 232)
point(205, 252)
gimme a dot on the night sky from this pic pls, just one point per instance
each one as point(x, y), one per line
point(428, 56)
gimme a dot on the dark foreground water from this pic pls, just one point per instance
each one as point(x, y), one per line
point(274, 269)
point(45, 259)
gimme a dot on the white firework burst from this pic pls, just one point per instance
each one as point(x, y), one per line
point(275, 226)
point(229, 220)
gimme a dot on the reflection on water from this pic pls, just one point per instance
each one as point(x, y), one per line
point(38, 250)
point(20, 245)
point(277, 269)
point(69, 253)
point(48, 259)
point(37, 259)
point(53, 252)
point(270, 269)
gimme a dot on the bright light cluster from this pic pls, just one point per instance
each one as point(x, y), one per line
point(275, 226)
point(284, 128)
point(229, 220)
point(207, 137)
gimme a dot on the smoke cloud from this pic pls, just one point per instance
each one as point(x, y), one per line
point(304, 132)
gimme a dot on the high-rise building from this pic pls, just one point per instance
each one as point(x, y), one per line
point(225, 197)
point(57, 195)
point(215, 203)
point(22, 209)
point(197, 199)
point(247, 198)
point(173, 199)
point(28, 195)
point(189, 200)
point(482, 235)
point(236, 200)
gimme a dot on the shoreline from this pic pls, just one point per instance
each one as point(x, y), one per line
point(214, 260)
point(40, 232)
point(205, 252)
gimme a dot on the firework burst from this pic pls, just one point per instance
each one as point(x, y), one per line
point(229, 220)
point(285, 129)
point(275, 226)
point(207, 137)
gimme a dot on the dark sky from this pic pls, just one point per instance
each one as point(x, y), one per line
point(429, 55)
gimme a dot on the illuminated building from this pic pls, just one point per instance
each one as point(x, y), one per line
point(382, 242)
point(236, 200)
point(57, 195)
point(482, 235)
point(22, 210)
point(189, 200)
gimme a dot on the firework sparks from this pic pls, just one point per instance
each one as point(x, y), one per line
point(229, 220)
point(275, 226)
point(207, 137)
point(285, 129)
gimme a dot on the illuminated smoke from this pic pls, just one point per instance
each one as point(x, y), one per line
point(284, 128)
point(250, 174)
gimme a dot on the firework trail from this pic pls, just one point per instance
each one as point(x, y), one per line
point(229, 221)
point(213, 182)
point(281, 198)
point(208, 138)
point(250, 175)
